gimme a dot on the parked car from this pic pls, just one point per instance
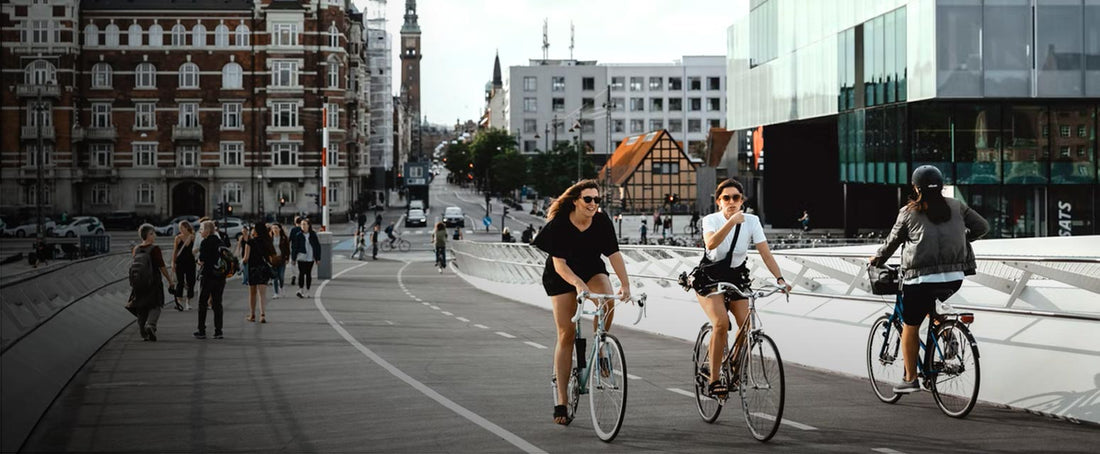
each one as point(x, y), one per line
point(417, 205)
point(80, 225)
point(172, 227)
point(30, 228)
point(416, 217)
point(453, 216)
point(231, 227)
point(121, 220)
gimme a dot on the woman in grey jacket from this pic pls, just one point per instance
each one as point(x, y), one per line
point(937, 257)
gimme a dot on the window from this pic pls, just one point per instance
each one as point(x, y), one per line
point(695, 83)
point(618, 126)
point(189, 115)
point(198, 36)
point(101, 194)
point(714, 104)
point(145, 76)
point(145, 115)
point(284, 115)
point(284, 73)
point(1082, 131)
point(242, 35)
point(231, 193)
point(145, 155)
point(102, 155)
point(43, 116)
point(231, 76)
point(112, 35)
point(675, 104)
point(675, 83)
point(101, 115)
point(530, 105)
point(618, 104)
point(232, 154)
point(557, 104)
point(284, 154)
point(588, 126)
point(179, 35)
point(187, 156)
point(133, 35)
point(333, 111)
point(333, 154)
point(530, 83)
point(334, 192)
point(656, 104)
point(91, 35)
point(231, 115)
point(655, 83)
point(675, 125)
point(221, 36)
point(41, 32)
point(666, 168)
point(637, 104)
point(40, 72)
point(696, 104)
point(530, 145)
point(530, 126)
point(284, 34)
point(714, 83)
point(695, 125)
point(47, 155)
point(714, 123)
point(189, 75)
point(656, 125)
point(617, 83)
point(557, 83)
point(588, 83)
point(588, 103)
point(333, 36)
point(637, 126)
point(146, 194)
point(156, 35)
point(333, 73)
point(1064, 131)
point(101, 75)
point(30, 195)
point(286, 192)
point(636, 83)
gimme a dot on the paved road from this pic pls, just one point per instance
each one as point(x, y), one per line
point(392, 356)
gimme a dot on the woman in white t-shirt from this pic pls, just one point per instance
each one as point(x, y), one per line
point(727, 235)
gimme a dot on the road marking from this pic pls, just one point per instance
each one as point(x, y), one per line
point(633, 377)
point(887, 451)
point(391, 323)
point(682, 392)
point(425, 303)
point(463, 319)
point(796, 425)
point(417, 299)
point(533, 344)
point(501, 432)
point(435, 308)
point(448, 314)
point(504, 334)
point(481, 326)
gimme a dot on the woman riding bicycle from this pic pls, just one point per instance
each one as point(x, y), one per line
point(937, 232)
point(727, 235)
point(575, 236)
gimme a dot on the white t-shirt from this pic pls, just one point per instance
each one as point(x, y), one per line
point(752, 233)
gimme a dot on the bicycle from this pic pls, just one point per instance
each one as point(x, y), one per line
point(759, 368)
point(606, 384)
point(398, 243)
point(945, 369)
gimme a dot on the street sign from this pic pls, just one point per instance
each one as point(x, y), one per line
point(487, 221)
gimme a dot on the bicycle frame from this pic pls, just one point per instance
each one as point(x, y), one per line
point(924, 359)
point(601, 301)
point(730, 292)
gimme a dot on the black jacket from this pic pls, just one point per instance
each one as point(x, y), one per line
point(298, 245)
point(208, 255)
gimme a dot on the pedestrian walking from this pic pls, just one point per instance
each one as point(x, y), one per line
point(667, 227)
point(183, 263)
point(360, 245)
point(280, 243)
point(211, 280)
point(439, 240)
point(257, 249)
point(146, 289)
point(306, 250)
point(294, 231)
point(643, 229)
point(805, 221)
point(246, 233)
point(361, 220)
point(374, 241)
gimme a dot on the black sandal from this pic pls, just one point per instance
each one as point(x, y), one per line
point(717, 389)
point(560, 411)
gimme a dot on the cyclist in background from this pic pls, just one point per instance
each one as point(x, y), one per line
point(727, 235)
point(575, 236)
point(937, 232)
point(389, 233)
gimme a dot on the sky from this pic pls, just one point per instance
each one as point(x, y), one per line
point(459, 39)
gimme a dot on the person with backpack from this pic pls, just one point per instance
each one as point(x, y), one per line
point(306, 250)
point(146, 289)
point(257, 253)
point(211, 279)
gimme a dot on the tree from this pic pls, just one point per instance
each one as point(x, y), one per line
point(487, 144)
point(509, 171)
point(554, 171)
point(458, 160)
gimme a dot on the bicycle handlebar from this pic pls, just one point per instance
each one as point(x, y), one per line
point(640, 299)
point(762, 292)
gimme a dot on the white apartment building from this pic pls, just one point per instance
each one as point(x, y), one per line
point(549, 98)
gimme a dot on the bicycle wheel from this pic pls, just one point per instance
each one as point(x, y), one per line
point(957, 374)
point(761, 388)
point(385, 246)
point(404, 245)
point(607, 389)
point(885, 367)
point(572, 393)
point(709, 407)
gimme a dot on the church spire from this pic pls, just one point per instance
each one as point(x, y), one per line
point(498, 81)
point(410, 25)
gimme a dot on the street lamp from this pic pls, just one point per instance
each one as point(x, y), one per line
point(40, 154)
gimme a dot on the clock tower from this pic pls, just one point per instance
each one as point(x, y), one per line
point(410, 74)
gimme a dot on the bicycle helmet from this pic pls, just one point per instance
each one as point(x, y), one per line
point(927, 177)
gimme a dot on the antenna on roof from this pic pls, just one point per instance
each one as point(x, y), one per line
point(570, 40)
point(545, 39)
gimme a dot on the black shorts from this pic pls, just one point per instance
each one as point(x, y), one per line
point(738, 276)
point(919, 300)
point(555, 285)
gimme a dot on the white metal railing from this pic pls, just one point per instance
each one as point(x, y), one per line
point(1042, 286)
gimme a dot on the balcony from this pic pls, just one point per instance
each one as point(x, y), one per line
point(31, 173)
point(78, 134)
point(31, 133)
point(186, 133)
point(32, 90)
point(107, 133)
point(186, 173)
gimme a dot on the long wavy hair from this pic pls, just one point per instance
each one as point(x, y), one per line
point(564, 202)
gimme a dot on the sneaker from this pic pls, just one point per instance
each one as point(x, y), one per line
point(440, 270)
point(199, 334)
point(907, 387)
point(218, 335)
point(152, 332)
point(299, 294)
point(187, 307)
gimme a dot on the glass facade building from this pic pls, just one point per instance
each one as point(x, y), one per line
point(1002, 95)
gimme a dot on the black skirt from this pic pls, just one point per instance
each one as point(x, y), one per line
point(259, 274)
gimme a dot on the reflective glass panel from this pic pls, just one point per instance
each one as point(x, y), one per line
point(1072, 154)
point(1026, 148)
point(1060, 48)
point(958, 55)
point(1006, 47)
point(976, 132)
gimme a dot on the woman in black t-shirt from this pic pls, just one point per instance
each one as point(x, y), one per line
point(575, 236)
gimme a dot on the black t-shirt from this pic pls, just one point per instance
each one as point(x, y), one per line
point(581, 250)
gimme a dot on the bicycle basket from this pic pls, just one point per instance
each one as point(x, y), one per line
point(884, 280)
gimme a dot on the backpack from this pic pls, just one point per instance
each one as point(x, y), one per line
point(227, 264)
point(143, 276)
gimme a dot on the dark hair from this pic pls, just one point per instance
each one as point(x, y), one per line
point(261, 240)
point(930, 201)
point(729, 182)
point(564, 202)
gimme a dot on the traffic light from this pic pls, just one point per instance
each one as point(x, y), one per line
point(218, 210)
point(317, 199)
point(228, 209)
point(282, 201)
point(506, 211)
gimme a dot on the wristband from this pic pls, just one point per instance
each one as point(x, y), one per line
point(780, 278)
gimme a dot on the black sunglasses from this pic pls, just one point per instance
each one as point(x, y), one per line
point(733, 198)
point(590, 199)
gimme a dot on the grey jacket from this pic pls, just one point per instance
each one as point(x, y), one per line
point(934, 248)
